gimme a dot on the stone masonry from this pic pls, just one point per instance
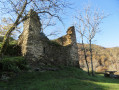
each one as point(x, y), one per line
point(39, 50)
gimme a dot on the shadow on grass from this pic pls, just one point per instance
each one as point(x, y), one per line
point(65, 79)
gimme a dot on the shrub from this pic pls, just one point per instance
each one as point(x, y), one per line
point(13, 49)
point(1, 38)
point(14, 64)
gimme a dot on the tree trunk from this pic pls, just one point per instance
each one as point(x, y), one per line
point(7, 35)
point(85, 57)
point(91, 58)
point(6, 41)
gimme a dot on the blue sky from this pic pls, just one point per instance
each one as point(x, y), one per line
point(109, 35)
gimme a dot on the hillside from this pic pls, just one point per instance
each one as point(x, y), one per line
point(103, 58)
point(67, 78)
point(63, 78)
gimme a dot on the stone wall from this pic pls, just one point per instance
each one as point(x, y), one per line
point(39, 50)
point(68, 39)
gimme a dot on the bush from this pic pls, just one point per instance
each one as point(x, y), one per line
point(12, 49)
point(14, 64)
point(1, 38)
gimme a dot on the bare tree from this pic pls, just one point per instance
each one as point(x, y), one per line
point(18, 10)
point(6, 23)
point(88, 21)
point(82, 33)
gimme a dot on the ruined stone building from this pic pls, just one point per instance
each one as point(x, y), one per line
point(39, 50)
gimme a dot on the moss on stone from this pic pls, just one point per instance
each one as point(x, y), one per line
point(52, 42)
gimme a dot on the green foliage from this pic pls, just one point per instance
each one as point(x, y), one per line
point(0, 44)
point(13, 49)
point(1, 38)
point(13, 42)
point(13, 64)
point(12, 39)
point(68, 78)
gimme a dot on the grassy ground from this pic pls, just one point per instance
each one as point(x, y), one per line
point(65, 79)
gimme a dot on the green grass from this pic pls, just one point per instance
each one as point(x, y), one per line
point(64, 79)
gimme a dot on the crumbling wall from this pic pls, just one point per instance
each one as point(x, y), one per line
point(69, 41)
point(39, 50)
point(31, 40)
